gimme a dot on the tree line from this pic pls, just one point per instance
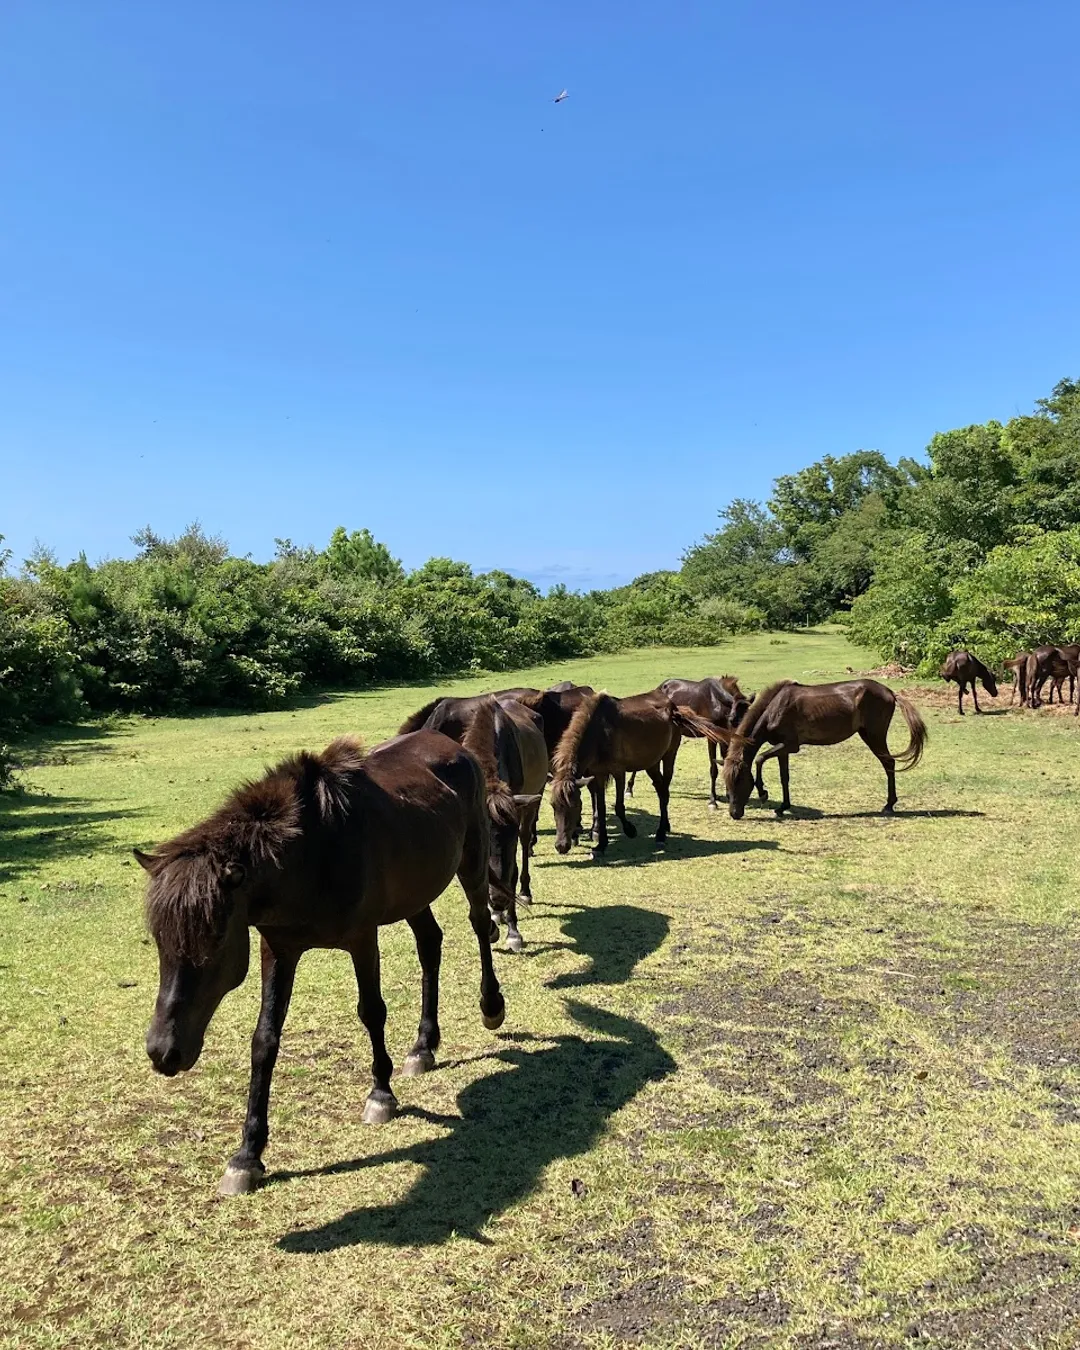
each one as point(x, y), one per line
point(978, 544)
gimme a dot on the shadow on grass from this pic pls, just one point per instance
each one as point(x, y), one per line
point(544, 1104)
point(623, 852)
point(38, 827)
point(614, 938)
point(813, 813)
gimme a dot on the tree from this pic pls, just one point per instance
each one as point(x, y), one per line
point(361, 555)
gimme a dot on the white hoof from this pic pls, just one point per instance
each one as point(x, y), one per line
point(422, 1062)
point(241, 1180)
point(379, 1110)
point(514, 942)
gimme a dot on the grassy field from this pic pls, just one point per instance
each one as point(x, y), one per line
point(819, 1077)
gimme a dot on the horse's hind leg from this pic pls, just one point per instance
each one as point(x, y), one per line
point(381, 1103)
point(473, 875)
point(245, 1169)
point(429, 939)
point(629, 829)
point(975, 697)
point(630, 784)
point(661, 775)
point(526, 834)
point(878, 743)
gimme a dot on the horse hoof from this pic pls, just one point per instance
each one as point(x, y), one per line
point(763, 795)
point(420, 1061)
point(514, 942)
point(629, 830)
point(241, 1180)
point(713, 806)
point(888, 811)
point(379, 1108)
point(494, 1023)
point(524, 898)
point(598, 855)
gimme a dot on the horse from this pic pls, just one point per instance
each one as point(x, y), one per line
point(507, 740)
point(319, 852)
point(965, 669)
point(1018, 666)
point(609, 737)
point(1046, 663)
point(716, 698)
point(790, 715)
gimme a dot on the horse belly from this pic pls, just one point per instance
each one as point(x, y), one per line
point(829, 730)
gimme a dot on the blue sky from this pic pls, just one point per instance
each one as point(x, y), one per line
point(280, 267)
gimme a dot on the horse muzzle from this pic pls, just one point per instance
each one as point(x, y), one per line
point(169, 1057)
point(737, 812)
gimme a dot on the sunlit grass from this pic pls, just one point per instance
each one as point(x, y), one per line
point(816, 1076)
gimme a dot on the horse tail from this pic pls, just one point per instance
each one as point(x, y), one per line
point(480, 741)
point(690, 724)
point(417, 720)
point(907, 759)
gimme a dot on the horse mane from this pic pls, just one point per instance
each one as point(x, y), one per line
point(480, 741)
point(188, 896)
point(418, 718)
point(564, 760)
point(757, 708)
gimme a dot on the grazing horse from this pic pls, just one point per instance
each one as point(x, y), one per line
point(609, 737)
point(965, 669)
point(319, 852)
point(1018, 666)
point(1046, 663)
point(720, 701)
point(508, 742)
point(790, 715)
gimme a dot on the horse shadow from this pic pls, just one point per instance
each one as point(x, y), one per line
point(614, 938)
point(39, 827)
point(544, 1104)
point(642, 850)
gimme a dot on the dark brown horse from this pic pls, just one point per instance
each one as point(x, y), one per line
point(610, 737)
point(508, 742)
point(789, 715)
point(965, 668)
point(1018, 666)
point(319, 852)
point(716, 698)
point(1047, 663)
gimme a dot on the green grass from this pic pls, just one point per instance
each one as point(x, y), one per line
point(820, 1077)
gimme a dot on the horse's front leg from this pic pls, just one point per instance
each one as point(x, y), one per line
point(526, 834)
point(629, 829)
point(775, 753)
point(975, 697)
point(960, 696)
point(245, 1170)
point(713, 772)
point(599, 787)
point(428, 935)
point(381, 1103)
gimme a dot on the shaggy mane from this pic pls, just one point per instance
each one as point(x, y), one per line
point(187, 898)
point(418, 718)
point(480, 741)
point(564, 760)
point(757, 708)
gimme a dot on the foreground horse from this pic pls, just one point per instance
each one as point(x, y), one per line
point(507, 741)
point(610, 737)
point(965, 668)
point(789, 715)
point(720, 701)
point(318, 853)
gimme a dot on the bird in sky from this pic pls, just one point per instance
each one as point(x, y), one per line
point(559, 97)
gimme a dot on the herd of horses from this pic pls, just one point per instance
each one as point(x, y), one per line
point(1031, 671)
point(326, 848)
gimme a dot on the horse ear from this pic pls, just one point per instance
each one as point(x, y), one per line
point(527, 798)
point(145, 860)
point(234, 874)
point(584, 782)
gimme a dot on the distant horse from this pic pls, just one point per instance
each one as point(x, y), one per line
point(1018, 666)
point(319, 852)
point(965, 669)
point(720, 701)
point(1047, 663)
point(610, 737)
point(508, 742)
point(789, 715)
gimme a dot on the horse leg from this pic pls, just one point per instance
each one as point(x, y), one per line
point(473, 875)
point(759, 782)
point(599, 786)
point(594, 828)
point(975, 697)
point(628, 828)
point(381, 1103)
point(960, 695)
point(630, 784)
point(878, 743)
point(661, 775)
point(245, 1170)
point(526, 833)
point(428, 935)
point(780, 752)
point(713, 772)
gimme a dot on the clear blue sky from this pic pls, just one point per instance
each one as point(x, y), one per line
point(279, 266)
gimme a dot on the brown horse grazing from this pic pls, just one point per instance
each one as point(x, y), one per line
point(609, 737)
point(1046, 663)
point(508, 743)
point(1018, 666)
point(319, 852)
point(965, 669)
point(790, 715)
point(716, 698)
